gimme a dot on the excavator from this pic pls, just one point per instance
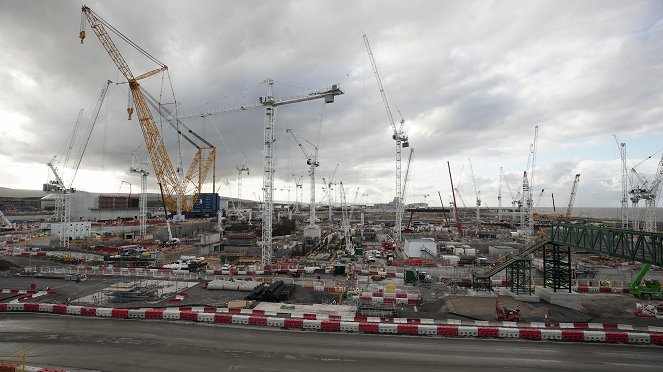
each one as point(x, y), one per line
point(506, 313)
point(647, 289)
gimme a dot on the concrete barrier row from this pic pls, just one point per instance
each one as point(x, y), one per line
point(17, 291)
point(14, 367)
point(572, 335)
point(177, 314)
point(585, 289)
point(453, 322)
point(392, 300)
point(396, 294)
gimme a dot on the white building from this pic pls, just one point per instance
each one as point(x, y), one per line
point(420, 248)
point(73, 230)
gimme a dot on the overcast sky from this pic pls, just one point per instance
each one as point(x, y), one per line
point(470, 78)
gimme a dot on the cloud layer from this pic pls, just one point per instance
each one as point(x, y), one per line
point(471, 80)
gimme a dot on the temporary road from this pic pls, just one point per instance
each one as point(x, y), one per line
point(130, 345)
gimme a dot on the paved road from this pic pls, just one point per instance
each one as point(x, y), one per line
point(126, 345)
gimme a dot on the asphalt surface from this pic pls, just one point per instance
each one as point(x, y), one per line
point(125, 345)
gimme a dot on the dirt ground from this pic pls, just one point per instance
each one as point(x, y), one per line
point(599, 308)
point(604, 308)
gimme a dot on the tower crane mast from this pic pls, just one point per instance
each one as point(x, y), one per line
point(458, 226)
point(398, 135)
point(345, 222)
point(269, 103)
point(137, 167)
point(312, 161)
point(527, 215)
point(63, 190)
point(330, 193)
point(624, 182)
point(477, 193)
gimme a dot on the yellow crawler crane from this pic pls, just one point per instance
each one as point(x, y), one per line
point(175, 190)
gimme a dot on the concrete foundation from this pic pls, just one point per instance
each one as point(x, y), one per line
point(520, 297)
point(561, 297)
point(474, 293)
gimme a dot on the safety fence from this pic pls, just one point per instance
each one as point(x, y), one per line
point(614, 335)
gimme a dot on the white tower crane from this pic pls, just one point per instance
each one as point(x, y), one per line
point(312, 161)
point(527, 215)
point(650, 202)
point(398, 135)
point(499, 198)
point(345, 222)
point(139, 167)
point(330, 193)
point(624, 180)
point(649, 192)
point(63, 191)
point(298, 191)
point(269, 103)
point(477, 192)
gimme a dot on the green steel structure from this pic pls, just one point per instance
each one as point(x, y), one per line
point(646, 247)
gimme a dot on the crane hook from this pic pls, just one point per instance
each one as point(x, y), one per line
point(82, 36)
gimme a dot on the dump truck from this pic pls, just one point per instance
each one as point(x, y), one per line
point(646, 289)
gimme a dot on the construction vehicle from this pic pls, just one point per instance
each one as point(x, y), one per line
point(647, 289)
point(506, 313)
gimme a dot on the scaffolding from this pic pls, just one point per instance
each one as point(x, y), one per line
point(519, 276)
point(557, 267)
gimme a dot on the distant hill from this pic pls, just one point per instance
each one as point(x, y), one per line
point(6, 192)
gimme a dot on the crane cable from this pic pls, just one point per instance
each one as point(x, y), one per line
point(123, 37)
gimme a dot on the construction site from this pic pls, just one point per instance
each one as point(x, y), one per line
point(185, 254)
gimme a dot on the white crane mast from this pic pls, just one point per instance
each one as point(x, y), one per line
point(652, 197)
point(298, 192)
point(240, 169)
point(312, 161)
point(63, 190)
point(624, 182)
point(499, 198)
point(345, 222)
point(527, 215)
point(138, 167)
point(330, 194)
point(269, 103)
point(477, 193)
point(398, 135)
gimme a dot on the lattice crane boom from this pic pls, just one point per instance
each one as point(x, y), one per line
point(572, 199)
point(173, 186)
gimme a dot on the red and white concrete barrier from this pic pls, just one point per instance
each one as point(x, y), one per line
point(564, 332)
